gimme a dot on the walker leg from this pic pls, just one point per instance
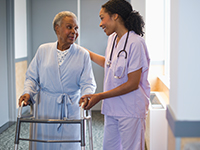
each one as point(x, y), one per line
point(16, 147)
point(82, 147)
point(82, 133)
point(17, 134)
point(90, 131)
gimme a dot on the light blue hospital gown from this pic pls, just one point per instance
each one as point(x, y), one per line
point(59, 89)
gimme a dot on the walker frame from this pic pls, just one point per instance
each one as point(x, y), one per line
point(31, 119)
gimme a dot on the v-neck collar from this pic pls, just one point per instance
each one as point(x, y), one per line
point(121, 39)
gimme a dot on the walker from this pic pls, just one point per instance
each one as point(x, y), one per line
point(31, 119)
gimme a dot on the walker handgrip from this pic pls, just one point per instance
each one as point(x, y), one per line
point(20, 110)
point(82, 111)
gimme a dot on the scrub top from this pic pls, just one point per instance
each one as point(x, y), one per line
point(135, 103)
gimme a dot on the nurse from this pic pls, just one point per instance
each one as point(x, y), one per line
point(60, 73)
point(126, 88)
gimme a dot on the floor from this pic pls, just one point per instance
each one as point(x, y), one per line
point(7, 137)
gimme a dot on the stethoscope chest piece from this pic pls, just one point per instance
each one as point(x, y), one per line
point(108, 63)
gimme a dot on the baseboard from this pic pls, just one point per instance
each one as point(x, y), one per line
point(6, 126)
point(182, 128)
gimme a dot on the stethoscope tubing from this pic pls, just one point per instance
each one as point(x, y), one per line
point(124, 49)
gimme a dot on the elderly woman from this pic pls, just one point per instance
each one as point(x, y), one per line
point(61, 72)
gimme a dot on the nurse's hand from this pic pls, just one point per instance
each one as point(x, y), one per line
point(84, 101)
point(93, 100)
point(24, 98)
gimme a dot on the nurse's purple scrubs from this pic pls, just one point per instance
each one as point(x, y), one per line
point(125, 115)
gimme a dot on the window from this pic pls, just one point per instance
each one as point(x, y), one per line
point(20, 29)
point(158, 34)
point(167, 36)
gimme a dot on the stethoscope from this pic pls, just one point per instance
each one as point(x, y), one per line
point(109, 61)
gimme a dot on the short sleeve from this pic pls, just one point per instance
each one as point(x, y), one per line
point(137, 57)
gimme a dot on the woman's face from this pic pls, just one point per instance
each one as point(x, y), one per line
point(107, 22)
point(67, 32)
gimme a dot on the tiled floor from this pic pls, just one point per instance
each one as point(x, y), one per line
point(8, 136)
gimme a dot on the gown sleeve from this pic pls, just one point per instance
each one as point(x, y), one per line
point(31, 84)
point(87, 81)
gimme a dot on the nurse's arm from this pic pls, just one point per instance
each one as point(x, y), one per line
point(129, 86)
point(98, 59)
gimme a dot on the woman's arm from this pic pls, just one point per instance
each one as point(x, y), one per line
point(87, 82)
point(98, 59)
point(31, 83)
point(130, 85)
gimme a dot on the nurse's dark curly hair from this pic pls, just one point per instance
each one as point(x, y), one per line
point(133, 21)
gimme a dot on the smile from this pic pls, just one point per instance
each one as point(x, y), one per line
point(104, 28)
point(71, 37)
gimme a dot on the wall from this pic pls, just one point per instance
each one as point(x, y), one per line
point(41, 14)
point(39, 30)
point(139, 5)
point(184, 73)
point(185, 59)
point(183, 111)
point(4, 115)
point(93, 38)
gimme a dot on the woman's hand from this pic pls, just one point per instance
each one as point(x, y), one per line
point(90, 100)
point(129, 86)
point(24, 98)
point(83, 100)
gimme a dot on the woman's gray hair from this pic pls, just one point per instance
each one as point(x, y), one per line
point(58, 18)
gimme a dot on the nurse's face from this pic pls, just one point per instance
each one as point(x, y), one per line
point(107, 22)
point(67, 32)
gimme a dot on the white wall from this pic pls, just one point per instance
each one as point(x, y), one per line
point(4, 115)
point(185, 53)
